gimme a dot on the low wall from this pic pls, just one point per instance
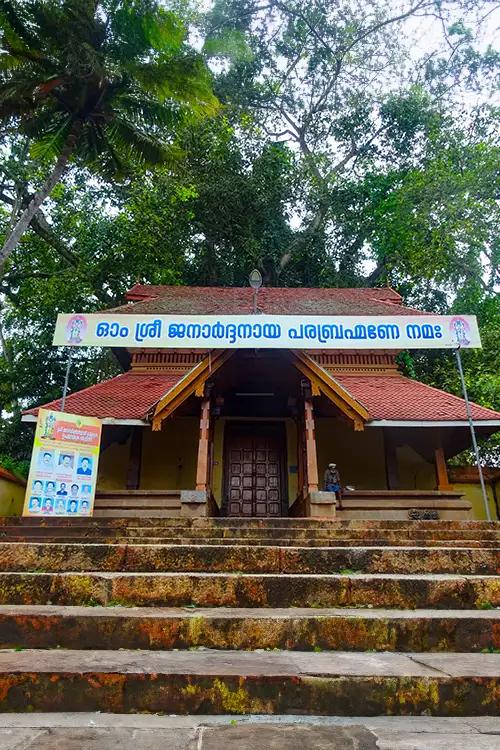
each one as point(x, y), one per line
point(12, 490)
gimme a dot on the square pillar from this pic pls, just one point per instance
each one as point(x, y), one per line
point(310, 441)
point(202, 467)
point(442, 481)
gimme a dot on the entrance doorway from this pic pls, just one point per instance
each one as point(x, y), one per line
point(254, 469)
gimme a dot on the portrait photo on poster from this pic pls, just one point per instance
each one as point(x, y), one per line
point(84, 466)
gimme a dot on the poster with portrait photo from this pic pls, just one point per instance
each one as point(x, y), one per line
point(66, 463)
point(63, 471)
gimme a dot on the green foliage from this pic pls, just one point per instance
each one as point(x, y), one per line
point(122, 72)
point(339, 158)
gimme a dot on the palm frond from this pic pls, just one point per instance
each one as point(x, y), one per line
point(16, 95)
point(14, 17)
point(9, 62)
point(184, 79)
point(49, 145)
point(164, 30)
point(136, 144)
point(141, 109)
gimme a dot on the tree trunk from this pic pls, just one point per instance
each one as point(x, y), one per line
point(6, 351)
point(30, 211)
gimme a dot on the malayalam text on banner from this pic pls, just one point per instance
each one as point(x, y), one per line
point(63, 469)
point(268, 331)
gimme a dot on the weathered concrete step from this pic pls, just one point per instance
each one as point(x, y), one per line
point(239, 682)
point(255, 532)
point(49, 557)
point(102, 731)
point(342, 629)
point(252, 590)
point(355, 536)
point(256, 542)
point(196, 523)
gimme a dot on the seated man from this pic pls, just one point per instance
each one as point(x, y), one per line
point(332, 483)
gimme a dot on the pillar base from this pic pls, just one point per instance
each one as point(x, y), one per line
point(321, 504)
point(194, 504)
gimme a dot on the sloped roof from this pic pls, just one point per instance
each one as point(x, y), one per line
point(394, 397)
point(127, 396)
point(133, 395)
point(192, 300)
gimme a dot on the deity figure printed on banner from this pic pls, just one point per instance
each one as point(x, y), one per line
point(48, 427)
point(460, 329)
point(75, 329)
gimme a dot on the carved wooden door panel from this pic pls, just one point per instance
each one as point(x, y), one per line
point(254, 471)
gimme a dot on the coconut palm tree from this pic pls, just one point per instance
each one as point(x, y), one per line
point(98, 82)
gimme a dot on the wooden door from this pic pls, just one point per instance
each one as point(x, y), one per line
point(254, 470)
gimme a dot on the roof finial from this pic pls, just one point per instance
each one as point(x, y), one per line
point(255, 280)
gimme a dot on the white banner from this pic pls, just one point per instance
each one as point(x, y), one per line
point(268, 331)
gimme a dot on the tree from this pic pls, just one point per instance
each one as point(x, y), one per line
point(343, 84)
point(100, 82)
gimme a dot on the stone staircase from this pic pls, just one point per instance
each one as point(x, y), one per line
point(234, 616)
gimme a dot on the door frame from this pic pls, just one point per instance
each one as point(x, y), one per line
point(276, 427)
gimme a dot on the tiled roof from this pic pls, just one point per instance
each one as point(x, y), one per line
point(189, 300)
point(394, 397)
point(127, 396)
point(389, 397)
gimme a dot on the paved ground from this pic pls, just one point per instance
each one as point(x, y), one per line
point(139, 732)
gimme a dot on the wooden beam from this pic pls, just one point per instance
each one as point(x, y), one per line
point(323, 382)
point(310, 440)
point(135, 459)
point(443, 483)
point(202, 467)
point(191, 383)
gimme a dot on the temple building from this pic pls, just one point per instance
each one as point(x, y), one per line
point(249, 432)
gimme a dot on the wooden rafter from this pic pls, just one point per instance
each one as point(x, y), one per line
point(193, 382)
point(323, 382)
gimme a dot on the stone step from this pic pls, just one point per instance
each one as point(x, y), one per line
point(252, 590)
point(102, 731)
point(239, 682)
point(301, 629)
point(196, 523)
point(229, 532)
point(62, 557)
point(324, 541)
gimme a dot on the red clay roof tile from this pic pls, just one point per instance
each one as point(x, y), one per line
point(184, 300)
point(127, 396)
point(394, 397)
point(388, 397)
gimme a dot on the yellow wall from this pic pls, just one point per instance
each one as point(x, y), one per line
point(218, 466)
point(11, 498)
point(472, 493)
point(169, 457)
point(414, 472)
point(113, 466)
point(359, 455)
